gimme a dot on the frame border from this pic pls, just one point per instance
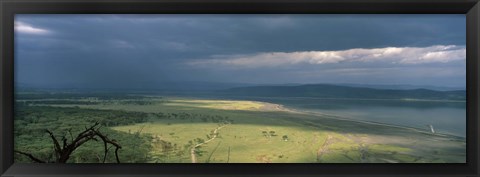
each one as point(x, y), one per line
point(8, 9)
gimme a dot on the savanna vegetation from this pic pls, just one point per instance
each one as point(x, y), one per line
point(185, 130)
point(33, 124)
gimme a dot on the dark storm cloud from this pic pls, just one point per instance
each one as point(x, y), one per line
point(125, 50)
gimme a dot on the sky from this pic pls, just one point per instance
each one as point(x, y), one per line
point(100, 51)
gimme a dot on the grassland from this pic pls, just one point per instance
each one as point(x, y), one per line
point(268, 133)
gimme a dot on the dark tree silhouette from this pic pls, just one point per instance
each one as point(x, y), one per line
point(63, 152)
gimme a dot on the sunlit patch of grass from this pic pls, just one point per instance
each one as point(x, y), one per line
point(217, 104)
point(355, 155)
point(245, 142)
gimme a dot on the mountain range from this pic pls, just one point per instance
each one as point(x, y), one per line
point(339, 91)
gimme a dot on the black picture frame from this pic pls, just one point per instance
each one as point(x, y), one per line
point(8, 9)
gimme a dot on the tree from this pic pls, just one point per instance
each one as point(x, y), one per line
point(285, 138)
point(265, 133)
point(63, 152)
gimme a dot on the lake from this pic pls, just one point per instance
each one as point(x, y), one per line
point(445, 117)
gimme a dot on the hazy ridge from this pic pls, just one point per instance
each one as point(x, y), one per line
point(336, 91)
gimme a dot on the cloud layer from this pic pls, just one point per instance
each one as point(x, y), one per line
point(129, 50)
point(395, 55)
point(29, 29)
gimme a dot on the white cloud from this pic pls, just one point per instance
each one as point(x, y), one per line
point(396, 55)
point(27, 28)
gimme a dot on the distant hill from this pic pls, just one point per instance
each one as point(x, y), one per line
point(337, 91)
point(136, 86)
point(402, 87)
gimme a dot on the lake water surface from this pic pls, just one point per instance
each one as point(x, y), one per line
point(445, 117)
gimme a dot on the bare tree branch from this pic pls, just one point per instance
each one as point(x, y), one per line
point(30, 156)
point(90, 133)
point(116, 154)
point(56, 145)
point(64, 142)
point(71, 136)
point(106, 140)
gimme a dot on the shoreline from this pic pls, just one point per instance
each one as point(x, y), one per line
point(361, 99)
point(280, 107)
